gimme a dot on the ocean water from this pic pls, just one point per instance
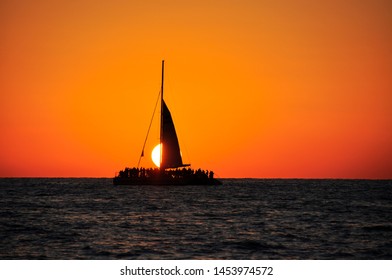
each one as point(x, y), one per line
point(242, 219)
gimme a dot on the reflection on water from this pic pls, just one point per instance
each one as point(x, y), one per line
point(242, 219)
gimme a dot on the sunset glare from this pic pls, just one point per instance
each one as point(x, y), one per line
point(256, 88)
point(156, 155)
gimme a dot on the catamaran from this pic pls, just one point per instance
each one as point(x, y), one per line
point(172, 170)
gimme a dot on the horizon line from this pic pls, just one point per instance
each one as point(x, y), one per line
point(226, 178)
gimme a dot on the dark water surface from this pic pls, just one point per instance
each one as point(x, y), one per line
point(243, 219)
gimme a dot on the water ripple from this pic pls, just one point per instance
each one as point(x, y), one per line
point(242, 219)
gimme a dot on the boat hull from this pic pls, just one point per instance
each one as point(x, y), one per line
point(165, 182)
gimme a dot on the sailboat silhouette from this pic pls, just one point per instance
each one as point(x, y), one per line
point(172, 170)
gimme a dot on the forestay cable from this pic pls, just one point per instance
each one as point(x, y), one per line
point(148, 131)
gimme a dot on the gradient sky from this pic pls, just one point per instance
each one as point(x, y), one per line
point(256, 88)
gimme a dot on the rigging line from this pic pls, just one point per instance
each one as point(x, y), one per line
point(148, 131)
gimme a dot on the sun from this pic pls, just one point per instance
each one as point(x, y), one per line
point(156, 155)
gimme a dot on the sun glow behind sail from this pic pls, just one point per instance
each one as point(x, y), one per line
point(156, 155)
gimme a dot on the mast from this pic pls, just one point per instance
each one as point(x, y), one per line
point(161, 132)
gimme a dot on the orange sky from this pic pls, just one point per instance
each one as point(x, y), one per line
point(256, 88)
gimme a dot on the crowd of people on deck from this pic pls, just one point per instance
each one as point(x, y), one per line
point(184, 173)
